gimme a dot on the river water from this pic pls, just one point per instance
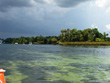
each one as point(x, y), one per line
point(55, 64)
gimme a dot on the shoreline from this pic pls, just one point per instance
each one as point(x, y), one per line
point(85, 43)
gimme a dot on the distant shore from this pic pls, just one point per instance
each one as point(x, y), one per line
point(85, 43)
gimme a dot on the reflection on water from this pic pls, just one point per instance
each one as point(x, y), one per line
point(55, 64)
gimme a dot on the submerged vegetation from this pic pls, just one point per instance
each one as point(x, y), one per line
point(55, 64)
point(67, 36)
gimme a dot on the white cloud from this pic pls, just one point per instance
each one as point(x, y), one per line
point(94, 26)
point(103, 4)
point(108, 27)
point(100, 3)
point(108, 10)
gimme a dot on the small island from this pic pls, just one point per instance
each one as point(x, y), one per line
point(67, 37)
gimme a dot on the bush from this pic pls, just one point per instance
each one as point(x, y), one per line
point(99, 40)
point(54, 40)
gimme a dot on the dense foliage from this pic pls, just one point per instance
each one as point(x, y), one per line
point(67, 35)
point(34, 40)
point(83, 35)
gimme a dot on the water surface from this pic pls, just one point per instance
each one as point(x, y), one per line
point(55, 64)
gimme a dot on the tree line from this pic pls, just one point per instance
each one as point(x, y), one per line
point(90, 35)
point(33, 40)
point(67, 35)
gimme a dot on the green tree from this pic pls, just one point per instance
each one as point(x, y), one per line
point(40, 39)
point(8, 40)
point(63, 35)
point(22, 40)
point(73, 35)
point(91, 37)
point(86, 33)
point(104, 35)
point(31, 39)
point(54, 40)
point(15, 40)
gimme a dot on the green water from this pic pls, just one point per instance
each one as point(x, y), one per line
point(55, 64)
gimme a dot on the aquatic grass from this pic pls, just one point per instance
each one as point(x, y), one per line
point(63, 65)
point(52, 67)
point(70, 76)
point(64, 70)
point(15, 75)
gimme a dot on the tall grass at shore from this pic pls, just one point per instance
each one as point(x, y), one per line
point(85, 43)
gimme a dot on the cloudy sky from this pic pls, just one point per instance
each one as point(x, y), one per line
point(48, 17)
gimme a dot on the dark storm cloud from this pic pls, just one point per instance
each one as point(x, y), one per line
point(65, 3)
point(39, 20)
point(40, 1)
point(69, 3)
point(5, 4)
point(10, 28)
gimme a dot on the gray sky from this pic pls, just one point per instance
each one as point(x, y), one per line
point(48, 17)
